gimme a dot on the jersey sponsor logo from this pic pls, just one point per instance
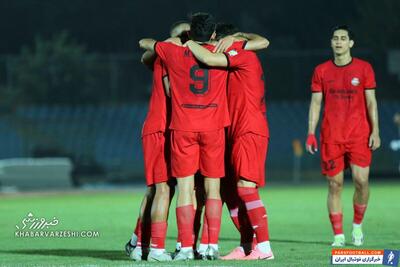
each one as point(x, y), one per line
point(355, 81)
point(232, 53)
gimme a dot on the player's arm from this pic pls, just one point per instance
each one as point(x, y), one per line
point(206, 56)
point(148, 58)
point(147, 44)
point(372, 106)
point(313, 118)
point(254, 42)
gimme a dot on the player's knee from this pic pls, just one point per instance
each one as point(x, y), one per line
point(360, 182)
point(335, 186)
point(162, 189)
point(185, 188)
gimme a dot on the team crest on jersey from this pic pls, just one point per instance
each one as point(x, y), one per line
point(355, 81)
point(232, 53)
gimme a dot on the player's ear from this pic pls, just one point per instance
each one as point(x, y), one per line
point(351, 43)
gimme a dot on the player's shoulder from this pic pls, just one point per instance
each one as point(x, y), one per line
point(238, 45)
point(361, 62)
point(209, 47)
point(168, 44)
point(324, 66)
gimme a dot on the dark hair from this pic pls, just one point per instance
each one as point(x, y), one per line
point(202, 26)
point(345, 28)
point(225, 29)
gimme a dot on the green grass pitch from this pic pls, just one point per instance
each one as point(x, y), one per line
point(299, 228)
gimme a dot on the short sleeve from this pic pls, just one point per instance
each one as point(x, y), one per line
point(236, 58)
point(160, 48)
point(316, 81)
point(369, 74)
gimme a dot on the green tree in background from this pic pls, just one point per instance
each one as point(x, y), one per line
point(53, 72)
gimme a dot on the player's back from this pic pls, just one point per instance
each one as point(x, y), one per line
point(246, 94)
point(198, 92)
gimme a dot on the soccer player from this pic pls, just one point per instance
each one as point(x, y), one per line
point(155, 139)
point(349, 131)
point(248, 135)
point(199, 115)
point(226, 40)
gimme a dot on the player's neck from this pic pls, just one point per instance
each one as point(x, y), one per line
point(343, 59)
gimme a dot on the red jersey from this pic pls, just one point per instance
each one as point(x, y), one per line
point(158, 115)
point(345, 118)
point(198, 92)
point(246, 95)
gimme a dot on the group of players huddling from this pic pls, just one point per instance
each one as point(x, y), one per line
point(207, 121)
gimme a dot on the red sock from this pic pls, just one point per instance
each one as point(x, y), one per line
point(138, 232)
point(359, 211)
point(185, 218)
point(204, 232)
point(158, 234)
point(213, 215)
point(337, 222)
point(255, 211)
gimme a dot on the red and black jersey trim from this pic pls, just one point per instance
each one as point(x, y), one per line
point(244, 44)
point(154, 46)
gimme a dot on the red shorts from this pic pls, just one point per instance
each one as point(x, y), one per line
point(193, 151)
point(156, 157)
point(249, 152)
point(337, 157)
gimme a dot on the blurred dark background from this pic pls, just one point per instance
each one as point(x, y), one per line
point(71, 82)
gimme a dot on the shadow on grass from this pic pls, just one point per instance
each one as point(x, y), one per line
point(281, 241)
point(113, 255)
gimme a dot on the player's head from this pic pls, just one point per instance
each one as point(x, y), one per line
point(224, 29)
point(202, 27)
point(179, 28)
point(342, 39)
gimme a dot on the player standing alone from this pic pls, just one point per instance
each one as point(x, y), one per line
point(349, 131)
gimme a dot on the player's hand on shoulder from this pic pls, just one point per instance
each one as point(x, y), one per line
point(374, 141)
point(224, 44)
